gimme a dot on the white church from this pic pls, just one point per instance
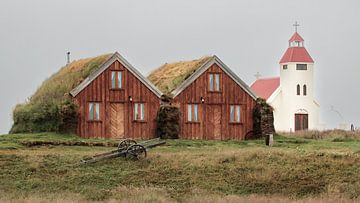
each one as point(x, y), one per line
point(292, 94)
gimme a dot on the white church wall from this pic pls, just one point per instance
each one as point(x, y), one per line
point(288, 102)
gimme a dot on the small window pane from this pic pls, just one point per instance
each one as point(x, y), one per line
point(113, 79)
point(232, 116)
point(136, 112)
point(285, 67)
point(91, 111)
point(195, 112)
point(298, 90)
point(217, 82)
point(119, 76)
point(304, 90)
point(238, 113)
point(211, 82)
point(97, 111)
point(301, 66)
point(142, 112)
point(189, 112)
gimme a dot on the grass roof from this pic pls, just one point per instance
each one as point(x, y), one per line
point(170, 75)
point(44, 111)
point(67, 78)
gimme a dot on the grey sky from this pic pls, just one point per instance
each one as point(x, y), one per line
point(249, 36)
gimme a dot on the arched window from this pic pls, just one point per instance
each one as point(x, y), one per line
point(298, 89)
point(304, 90)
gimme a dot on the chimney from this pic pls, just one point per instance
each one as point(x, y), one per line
point(68, 57)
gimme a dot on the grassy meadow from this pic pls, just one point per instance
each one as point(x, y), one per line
point(309, 167)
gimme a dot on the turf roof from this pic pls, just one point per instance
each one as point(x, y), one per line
point(171, 75)
point(68, 77)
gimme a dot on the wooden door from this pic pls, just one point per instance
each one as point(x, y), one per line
point(301, 122)
point(117, 120)
point(213, 122)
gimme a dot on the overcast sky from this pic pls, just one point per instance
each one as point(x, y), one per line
point(249, 36)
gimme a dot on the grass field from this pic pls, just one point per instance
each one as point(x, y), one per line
point(36, 167)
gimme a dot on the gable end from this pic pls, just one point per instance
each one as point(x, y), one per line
point(115, 57)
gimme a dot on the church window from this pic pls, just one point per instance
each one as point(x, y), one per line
point(298, 89)
point(304, 90)
point(284, 67)
point(301, 66)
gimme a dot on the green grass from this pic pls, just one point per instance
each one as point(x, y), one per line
point(181, 169)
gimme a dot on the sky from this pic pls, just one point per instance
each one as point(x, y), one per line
point(249, 36)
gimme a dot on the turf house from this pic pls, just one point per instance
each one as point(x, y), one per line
point(214, 102)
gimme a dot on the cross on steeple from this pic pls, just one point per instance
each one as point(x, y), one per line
point(296, 25)
point(257, 75)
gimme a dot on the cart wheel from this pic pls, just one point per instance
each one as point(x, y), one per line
point(126, 144)
point(136, 152)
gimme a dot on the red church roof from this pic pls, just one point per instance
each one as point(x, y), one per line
point(265, 87)
point(296, 54)
point(296, 37)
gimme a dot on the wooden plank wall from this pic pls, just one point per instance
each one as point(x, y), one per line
point(230, 93)
point(99, 91)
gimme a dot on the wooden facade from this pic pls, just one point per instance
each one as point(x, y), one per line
point(214, 107)
point(116, 105)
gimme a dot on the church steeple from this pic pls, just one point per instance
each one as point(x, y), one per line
point(296, 51)
point(296, 40)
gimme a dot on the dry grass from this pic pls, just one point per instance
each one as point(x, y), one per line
point(336, 134)
point(293, 170)
point(170, 75)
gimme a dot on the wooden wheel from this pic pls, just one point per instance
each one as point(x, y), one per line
point(136, 152)
point(126, 144)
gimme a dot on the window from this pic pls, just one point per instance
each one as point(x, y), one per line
point(116, 79)
point(298, 89)
point(192, 113)
point(301, 66)
point(304, 90)
point(139, 111)
point(214, 82)
point(94, 111)
point(284, 67)
point(235, 112)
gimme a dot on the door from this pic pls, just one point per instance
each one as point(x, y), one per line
point(213, 122)
point(301, 122)
point(117, 121)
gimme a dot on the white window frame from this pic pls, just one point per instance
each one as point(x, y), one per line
point(116, 79)
point(235, 113)
point(192, 113)
point(94, 111)
point(139, 111)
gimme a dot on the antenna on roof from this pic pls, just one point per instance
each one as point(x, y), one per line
point(296, 25)
point(68, 57)
point(257, 75)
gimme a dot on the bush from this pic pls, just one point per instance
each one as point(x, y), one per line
point(263, 119)
point(44, 117)
point(168, 122)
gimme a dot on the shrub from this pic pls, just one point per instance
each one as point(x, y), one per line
point(263, 119)
point(168, 122)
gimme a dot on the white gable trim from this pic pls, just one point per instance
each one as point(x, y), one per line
point(274, 94)
point(207, 65)
point(115, 57)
